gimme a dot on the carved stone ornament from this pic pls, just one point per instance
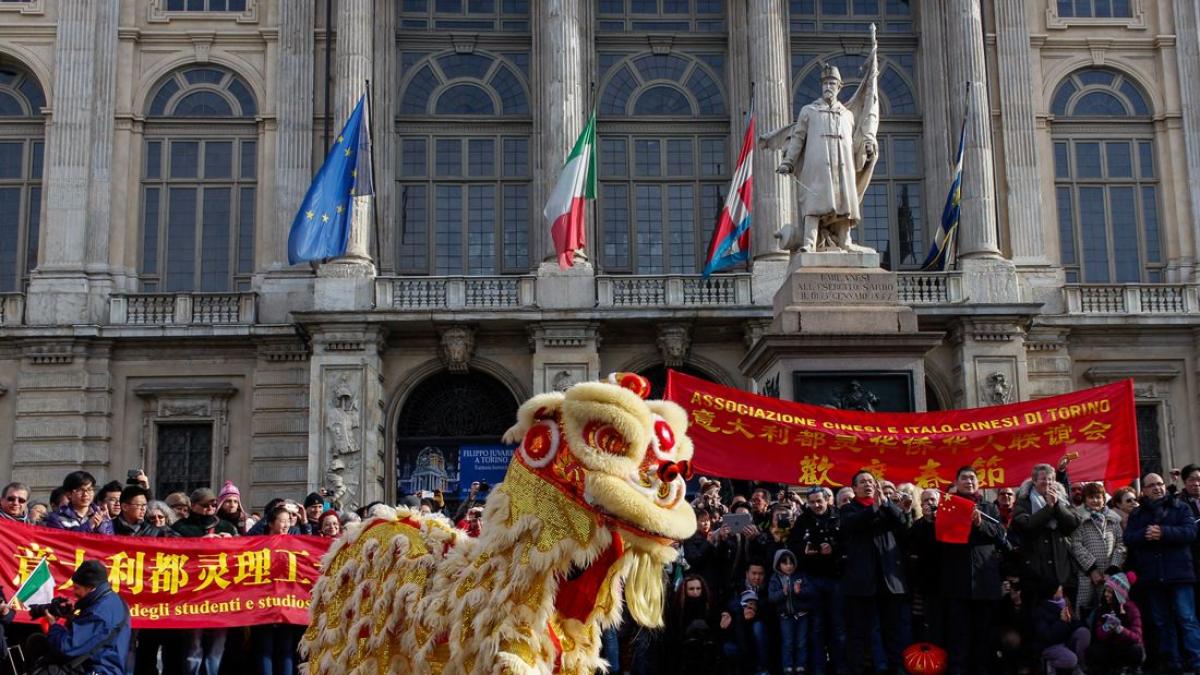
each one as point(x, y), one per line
point(854, 396)
point(457, 348)
point(674, 341)
point(335, 482)
point(342, 418)
point(996, 389)
point(563, 380)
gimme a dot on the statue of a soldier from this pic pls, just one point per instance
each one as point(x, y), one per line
point(831, 150)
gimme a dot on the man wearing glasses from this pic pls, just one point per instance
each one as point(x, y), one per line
point(13, 505)
point(132, 521)
point(1159, 536)
point(81, 512)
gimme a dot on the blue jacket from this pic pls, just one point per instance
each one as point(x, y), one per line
point(1168, 560)
point(99, 612)
point(66, 519)
point(787, 603)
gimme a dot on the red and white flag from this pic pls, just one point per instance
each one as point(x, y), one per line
point(576, 184)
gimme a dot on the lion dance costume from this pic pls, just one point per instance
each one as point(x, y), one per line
point(589, 509)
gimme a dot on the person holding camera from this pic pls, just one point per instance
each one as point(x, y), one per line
point(816, 540)
point(774, 539)
point(475, 498)
point(90, 638)
point(206, 645)
point(81, 512)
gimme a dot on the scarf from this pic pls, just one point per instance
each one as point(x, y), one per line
point(865, 501)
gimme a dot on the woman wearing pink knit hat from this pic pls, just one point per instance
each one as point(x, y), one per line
point(230, 506)
point(1116, 625)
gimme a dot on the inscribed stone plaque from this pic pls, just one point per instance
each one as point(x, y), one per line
point(845, 288)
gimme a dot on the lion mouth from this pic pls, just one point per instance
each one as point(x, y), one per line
point(579, 590)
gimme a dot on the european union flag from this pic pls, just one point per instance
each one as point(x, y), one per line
point(942, 247)
point(321, 229)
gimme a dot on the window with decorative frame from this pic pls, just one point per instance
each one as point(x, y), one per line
point(1106, 182)
point(510, 16)
point(850, 16)
point(22, 134)
point(204, 5)
point(893, 210)
point(464, 174)
point(661, 16)
point(1094, 9)
point(661, 191)
point(199, 183)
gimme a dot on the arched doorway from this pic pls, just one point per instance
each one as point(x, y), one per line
point(444, 414)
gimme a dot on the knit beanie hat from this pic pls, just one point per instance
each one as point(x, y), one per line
point(229, 490)
point(91, 574)
point(1120, 583)
point(313, 499)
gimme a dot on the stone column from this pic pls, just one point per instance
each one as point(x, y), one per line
point(103, 114)
point(353, 66)
point(1187, 50)
point(1022, 176)
point(964, 33)
point(936, 137)
point(383, 132)
point(294, 124)
point(770, 73)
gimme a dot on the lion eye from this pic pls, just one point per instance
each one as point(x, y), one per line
point(606, 438)
point(665, 435)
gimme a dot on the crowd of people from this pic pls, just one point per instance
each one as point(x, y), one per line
point(81, 504)
point(1055, 577)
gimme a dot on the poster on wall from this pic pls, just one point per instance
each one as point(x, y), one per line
point(482, 463)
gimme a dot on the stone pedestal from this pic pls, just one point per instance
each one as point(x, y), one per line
point(838, 320)
point(564, 353)
point(572, 288)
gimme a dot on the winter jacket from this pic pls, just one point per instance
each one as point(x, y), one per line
point(1131, 620)
point(198, 525)
point(805, 541)
point(1096, 545)
point(1048, 627)
point(66, 519)
point(874, 561)
point(703, 559)
point(99, 613)
point(1045, 535)
point(5, 621)
point(142, 529)
point(1168, 560)
point(1194, 509)
point(923, 558)
point(781, 592)
point(971, 571)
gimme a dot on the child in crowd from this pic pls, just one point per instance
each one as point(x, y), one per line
point(792, 596)
point(1060, 637)
point(1116, 628)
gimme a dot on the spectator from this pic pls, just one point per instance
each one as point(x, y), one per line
point(774, 538)
point(844, 495)
point(691, 630)
point(970, 580)
point(229, 507)
point(1044, 521)
point(1077, 495)
point(760, 508)
point(817, 538)
point(180, 504)
point(792, 597)
point(1013, 618)
point(874, 575)
point(733, 550)
point(330, 525)
point(15, 503)
point(160, 515)
point(710, 497)
point(1061, 638)
point(924, 572)
point(1096, 546)
point(7, 614)
point(206, 646)
point(888, 488)
point(110, 498)
point(37, 512)
point(314, 506)
point(132, 521)
point(476, 495)
point(275, 644)
point(1190, 496)
point(700, 552)
point(1124, 501)
point(1116, 628)
point(97, 632)
point(473, 522)
point(1006, 499)
point(1159, 536)
point(749, 646)
point(81, 513)
point(908, 498)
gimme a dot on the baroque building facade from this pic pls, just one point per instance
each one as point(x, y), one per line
point(153, 154)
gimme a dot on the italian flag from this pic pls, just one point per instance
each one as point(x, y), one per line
point(38, 588)
point(576, 184)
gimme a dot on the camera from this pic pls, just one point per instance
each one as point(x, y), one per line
point(58, 608)
point(784, 520)
point(484, 486)
point(131, 477)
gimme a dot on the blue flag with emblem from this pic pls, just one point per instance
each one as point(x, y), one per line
point(321, 229)
point(941, 250)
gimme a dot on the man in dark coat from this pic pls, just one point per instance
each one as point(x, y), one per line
point(970, 577)
point(816, 540)
point(873, 580)
point(1044, 520)
point(100, 626)
point(1159, 536)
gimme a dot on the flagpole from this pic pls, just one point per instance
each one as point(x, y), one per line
point(374, 190)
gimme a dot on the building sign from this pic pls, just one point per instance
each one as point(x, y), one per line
point(482, 463)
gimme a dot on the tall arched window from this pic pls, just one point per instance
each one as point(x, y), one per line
point(893, 211)
point(199, 178)
point(664, 164)
point(1106, 181)
point(464, 175)
point(22, 129)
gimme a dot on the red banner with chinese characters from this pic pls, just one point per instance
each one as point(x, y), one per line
point(741, 435)
point(176, 582)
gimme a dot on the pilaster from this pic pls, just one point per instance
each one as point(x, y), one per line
point(564, 353)
point(931, 71)
point(345, 421)
point(294, 127)
point(1021, 171)
point(1049, 361)
point(990, 361)
point(1187, 50)
point(279, 434)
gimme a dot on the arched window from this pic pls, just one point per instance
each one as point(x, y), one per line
point(893, 210)
point(464, 176)
point(661, 184)
point(22, 130)
point(199, 178)
point(1106, 181)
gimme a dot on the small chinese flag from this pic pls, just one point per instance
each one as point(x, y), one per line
point(953, 523)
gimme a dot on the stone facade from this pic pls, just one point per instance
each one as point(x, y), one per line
point(301, 376)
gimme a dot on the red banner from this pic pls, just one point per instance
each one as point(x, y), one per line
point(741, 435)
point(176, 582)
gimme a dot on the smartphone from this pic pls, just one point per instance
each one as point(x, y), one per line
point(132, 474)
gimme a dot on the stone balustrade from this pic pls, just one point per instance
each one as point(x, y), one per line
point(453, 293)
point(673, 290)
point(167, 309)
point(1131, 299)
point(12, 309)
point(930, 288)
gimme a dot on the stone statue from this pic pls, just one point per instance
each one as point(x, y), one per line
point(854, 396)
point(997, 389)
point(341, 420)
point(831, 150)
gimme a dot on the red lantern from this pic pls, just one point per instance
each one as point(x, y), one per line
point(925, 658)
